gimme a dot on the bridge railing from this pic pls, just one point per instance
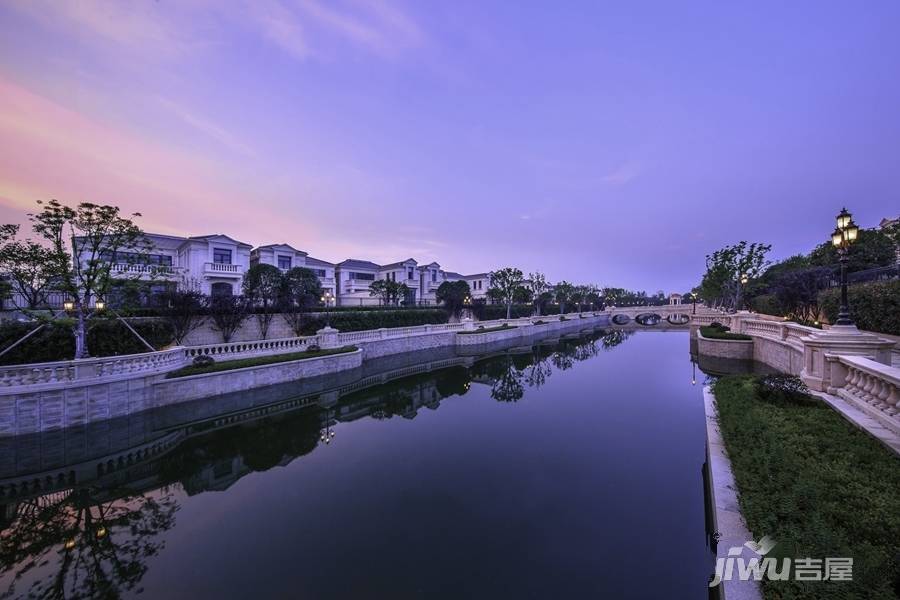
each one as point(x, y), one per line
point(869, 383)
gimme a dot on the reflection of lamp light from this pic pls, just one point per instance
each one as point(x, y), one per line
point(101, 532)
point(70, 543)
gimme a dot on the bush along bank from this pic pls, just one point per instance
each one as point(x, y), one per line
point(813, 482)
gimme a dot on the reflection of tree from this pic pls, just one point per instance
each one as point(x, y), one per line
point(507, 386)
point(539, 370)
point(452, 382)
point(562, 359)
point(611, 339)
point(90, 548)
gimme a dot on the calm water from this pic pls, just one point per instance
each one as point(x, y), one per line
point(570, 469)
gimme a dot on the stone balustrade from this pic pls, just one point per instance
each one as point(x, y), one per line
point(868, 384)
point(88, 370)
point(238, 350)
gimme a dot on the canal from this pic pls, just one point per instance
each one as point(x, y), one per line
point(570, 468)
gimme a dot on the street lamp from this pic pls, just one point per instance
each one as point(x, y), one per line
point(326, 298)
point(842, 238)
point(68, 306)
point(99, 305)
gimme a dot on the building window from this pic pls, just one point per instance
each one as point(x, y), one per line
point(433, 276)
point(409, 273)
point(284, 262)
point(319, 272)
point(221, 256)
point(362, 276)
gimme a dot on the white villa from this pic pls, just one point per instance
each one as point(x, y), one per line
point(286, 257)
point(216, 264)
point(211, 264)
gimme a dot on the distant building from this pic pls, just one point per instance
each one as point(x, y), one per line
point(286, 257)
point(675, 299)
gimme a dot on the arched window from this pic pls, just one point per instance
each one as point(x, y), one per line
point(221, 288)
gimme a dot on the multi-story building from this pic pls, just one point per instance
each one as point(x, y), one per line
point(479, 283)
point(211, 264)
point(286, 257)
point(353, 278)
point(430, 278)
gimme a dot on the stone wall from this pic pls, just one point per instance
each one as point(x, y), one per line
point(731, 349)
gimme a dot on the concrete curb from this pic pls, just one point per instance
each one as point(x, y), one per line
point(728, 522)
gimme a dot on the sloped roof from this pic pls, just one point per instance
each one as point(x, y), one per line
point(207, 238)
point(477, 276)
point(453, 275)
point(354, 263)
point(317, 262)
point(434, 264)
point(267, 246)
point(401, 263)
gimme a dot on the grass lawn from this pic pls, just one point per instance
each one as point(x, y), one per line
point(817, 485)
point(715, 333)
point(503, 327)
point(230, 365)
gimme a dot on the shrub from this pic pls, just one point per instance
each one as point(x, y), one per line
point(767, 304)
point(204, 360)
point(503, 327)
point(722, 333)
point(779, 388)
point(362, 320)
point(106, 337)
point(490, 312)
point(874, 306)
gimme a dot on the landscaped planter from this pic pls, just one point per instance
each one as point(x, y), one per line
point(733, 349)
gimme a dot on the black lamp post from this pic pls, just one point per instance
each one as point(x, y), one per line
point(842, 238)
point(327, 300)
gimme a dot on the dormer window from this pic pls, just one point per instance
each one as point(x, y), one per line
point(284, 262)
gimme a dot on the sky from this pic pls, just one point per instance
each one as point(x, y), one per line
point(614, 143)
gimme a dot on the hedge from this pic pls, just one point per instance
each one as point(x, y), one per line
point(362, 320)
point(55, 341)
point(874, 306)
point(492, 312)
point(722, 333)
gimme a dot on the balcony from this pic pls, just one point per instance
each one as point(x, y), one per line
point(222, 269)
point(140, 270)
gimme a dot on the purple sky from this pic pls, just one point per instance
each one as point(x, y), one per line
point(607, 142)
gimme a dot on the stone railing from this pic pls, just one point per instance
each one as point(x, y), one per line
point(869, 384)
point(238, 350)
point(142, 269)
point(89, 370)
point(221, 267)
point(703, 320)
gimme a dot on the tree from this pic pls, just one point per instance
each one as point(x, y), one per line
point(506, 282)
point(228, 313)
point(873, 248)
point(522, 295)
point(183, 311)
point(390, 293)
point(564, 292)
point(537, 285)
point(27, 264)
point(95, 233)
point(453, 294)
point(300, 291)
point(798, 292)
point(262, 287)
point(728, 267)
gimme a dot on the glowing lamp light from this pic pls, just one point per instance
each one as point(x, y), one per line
point(837, 238)
point(843, 219)
point(852, 231)
point(68, 306)
point(70, 543)
point(100, 305)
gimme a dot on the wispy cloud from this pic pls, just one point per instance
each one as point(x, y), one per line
point(623, 174)
point(205, 126)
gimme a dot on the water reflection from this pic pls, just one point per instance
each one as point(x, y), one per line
point(91, 528)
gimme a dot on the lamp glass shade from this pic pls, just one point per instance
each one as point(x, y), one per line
point(68, 305)
point(843, 219)
point(100, 305)
point(837, 238)
point(852, 232)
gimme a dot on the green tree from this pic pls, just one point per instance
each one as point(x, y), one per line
point(183, 311)
point(228, 313)
point(263, 287)
point(27, 264)
point(873, 248)
point(390, 293)
point(537, 285)
point(728, 268)
point(95, 233)
point(563, 292)
point(453, 295)
point(506, 282)
point(300, 291)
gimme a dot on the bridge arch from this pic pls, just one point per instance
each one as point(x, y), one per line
point(648, 319)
